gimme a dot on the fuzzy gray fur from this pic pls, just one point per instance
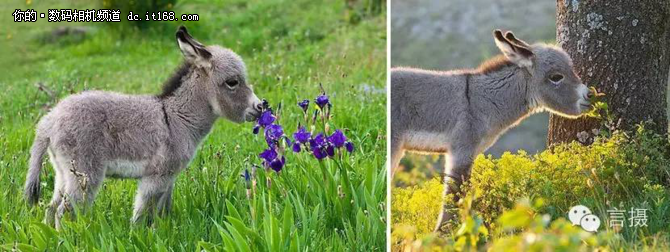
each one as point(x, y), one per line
point(95, 134)
point(463, 112)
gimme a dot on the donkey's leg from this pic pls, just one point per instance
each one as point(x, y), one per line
point(56, 199)
point(50, 213)
point(460, 165)
point(81, 181)
point(149, 192)
point(165, 202)
point(397, 153)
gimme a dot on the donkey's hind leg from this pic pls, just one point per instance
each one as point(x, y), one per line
point(165, 202)
point(56, 199)
point(460, 164)
point(80, 182)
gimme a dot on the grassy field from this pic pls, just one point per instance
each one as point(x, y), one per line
point(290, 47)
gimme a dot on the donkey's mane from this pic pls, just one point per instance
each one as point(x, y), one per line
point(174, 82)
point(494, 64)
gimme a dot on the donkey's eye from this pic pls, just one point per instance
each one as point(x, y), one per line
point(556, 77)
point(232, 82)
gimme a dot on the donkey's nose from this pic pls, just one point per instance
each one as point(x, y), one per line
point(259, 107)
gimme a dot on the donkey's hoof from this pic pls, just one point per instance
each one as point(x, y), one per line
point(446, 222)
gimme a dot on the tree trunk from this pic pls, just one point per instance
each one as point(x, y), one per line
point(622, 48)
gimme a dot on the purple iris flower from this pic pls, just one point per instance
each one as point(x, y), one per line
point(256, 129)
point(319, 153)
point(273, 133)
point(330, 150)
point(337, 138)
point(349, 146)
point(268, 155)
point(322, 100)
point(304, 104)
point(278, 164)
point(319, 146)
point(318, 141)
point(302, 135)
point(272, 160)
point(296, 147)
point(266, 118)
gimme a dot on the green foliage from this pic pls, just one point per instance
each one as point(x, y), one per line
point(620, 170)
point(360, 9)
point(289, 47)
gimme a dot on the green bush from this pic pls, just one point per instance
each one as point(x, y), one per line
point(619, 170)
point(139, 7)
point(612, 171)
point(361, 9)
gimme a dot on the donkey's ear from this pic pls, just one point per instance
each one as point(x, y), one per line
point(192, 50)
point(514, 40)
point(515, 50)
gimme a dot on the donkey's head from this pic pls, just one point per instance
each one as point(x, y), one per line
point(554, 84)
point(222, 76)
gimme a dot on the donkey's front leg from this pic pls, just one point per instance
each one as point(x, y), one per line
point(150, 192)
point(397, 153)
point(459, 166)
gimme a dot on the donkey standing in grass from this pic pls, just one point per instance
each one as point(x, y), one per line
point(463, 112)
point(93, 135)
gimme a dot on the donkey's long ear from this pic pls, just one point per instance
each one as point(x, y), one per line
point(515, 50)
point(511, 38)
point(192, 50)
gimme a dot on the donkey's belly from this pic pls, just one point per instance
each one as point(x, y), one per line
point(426, 142)
point(125, 168)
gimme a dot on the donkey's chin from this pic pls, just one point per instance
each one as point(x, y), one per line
point(572, 114)
point(250, 116)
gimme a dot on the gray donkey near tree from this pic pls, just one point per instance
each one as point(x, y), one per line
point(463, 112)
point(95, 134)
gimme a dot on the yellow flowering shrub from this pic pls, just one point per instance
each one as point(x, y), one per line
point(619, 170)
point(418, 206)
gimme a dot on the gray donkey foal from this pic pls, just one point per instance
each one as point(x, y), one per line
point(463, 112)
point(93, 135)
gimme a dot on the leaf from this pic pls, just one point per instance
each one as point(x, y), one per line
point(232, 211)
point(240, 241)
point(288, 223)
point(227, 239)
point(516, 218)
point(206, 246)
point(120, 247)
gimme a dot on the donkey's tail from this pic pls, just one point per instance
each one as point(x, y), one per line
point(32, 187)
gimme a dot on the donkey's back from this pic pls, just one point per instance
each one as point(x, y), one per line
point(106, 124)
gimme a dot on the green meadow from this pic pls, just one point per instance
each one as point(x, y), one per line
point(290, 48)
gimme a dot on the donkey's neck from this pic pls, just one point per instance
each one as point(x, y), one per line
point(189, 113)
point(505, 96)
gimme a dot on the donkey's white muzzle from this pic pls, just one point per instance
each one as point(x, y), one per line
point(583, 103)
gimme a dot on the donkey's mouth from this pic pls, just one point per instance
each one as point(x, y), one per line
point(584, 106)
point(251, 116)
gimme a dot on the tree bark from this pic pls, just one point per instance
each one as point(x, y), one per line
point(622, 48)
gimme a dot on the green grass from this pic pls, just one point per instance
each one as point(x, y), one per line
point(290, 47)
